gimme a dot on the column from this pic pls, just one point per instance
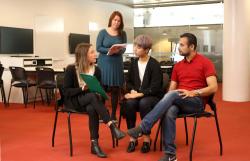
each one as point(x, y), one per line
point(236, 46)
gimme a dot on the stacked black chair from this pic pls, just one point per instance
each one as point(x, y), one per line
point(60, 107)
point(19, 80)
point(204, 114)
point(2, 86)
point(45, 80)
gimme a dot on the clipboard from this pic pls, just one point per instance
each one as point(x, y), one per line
point(119, 46)
point(93, 85)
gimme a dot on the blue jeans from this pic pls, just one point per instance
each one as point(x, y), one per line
point(170, 106)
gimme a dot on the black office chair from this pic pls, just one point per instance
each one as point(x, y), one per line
point(203, 114)
point(19, 80)
point(126, 65)
point(163, 62)
point(45, 80)
point(60, 107)
point(2, 86)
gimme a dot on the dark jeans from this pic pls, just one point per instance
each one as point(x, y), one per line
point(94, 106)
point(171, 105)
point(144, 105)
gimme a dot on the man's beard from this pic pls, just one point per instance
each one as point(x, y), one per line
point(185, 54)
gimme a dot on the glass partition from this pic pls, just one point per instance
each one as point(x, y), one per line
point(165, 42)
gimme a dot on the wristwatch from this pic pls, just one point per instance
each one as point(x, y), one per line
point(198, 92)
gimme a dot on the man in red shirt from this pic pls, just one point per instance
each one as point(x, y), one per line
point(193, 79)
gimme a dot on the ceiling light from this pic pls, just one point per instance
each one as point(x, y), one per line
point(164, 33)
point(202, 27)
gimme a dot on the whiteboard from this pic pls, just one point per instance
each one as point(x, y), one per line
point(49, 37)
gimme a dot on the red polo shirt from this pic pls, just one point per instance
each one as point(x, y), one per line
point(192, 75)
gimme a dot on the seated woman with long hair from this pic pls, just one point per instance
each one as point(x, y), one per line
point(78, 97)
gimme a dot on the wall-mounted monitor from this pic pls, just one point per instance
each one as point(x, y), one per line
point(16, 40)
point(75, 39)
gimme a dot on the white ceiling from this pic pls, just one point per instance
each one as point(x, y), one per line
point(159, 3)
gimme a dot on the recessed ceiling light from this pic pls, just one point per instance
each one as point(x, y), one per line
point(202, 27)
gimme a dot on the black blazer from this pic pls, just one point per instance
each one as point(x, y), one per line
point(71, 86)
point(152, 80)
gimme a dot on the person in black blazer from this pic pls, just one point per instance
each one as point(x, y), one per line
point(78, 97)
point(144, 83)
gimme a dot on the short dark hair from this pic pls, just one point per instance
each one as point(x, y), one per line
point(191, 39)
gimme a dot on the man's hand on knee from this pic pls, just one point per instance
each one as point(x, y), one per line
point(185, 93)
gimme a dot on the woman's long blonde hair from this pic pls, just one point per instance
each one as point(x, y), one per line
point(81, 60)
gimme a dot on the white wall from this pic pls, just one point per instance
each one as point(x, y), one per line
point(60, 17)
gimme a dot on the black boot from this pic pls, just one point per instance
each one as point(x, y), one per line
point(95, 149)
point(117, 133)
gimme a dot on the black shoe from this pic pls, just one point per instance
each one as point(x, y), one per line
point(117, 133)
point(95, 149)
point(145, 147)
point(168, 157)
point(131, 146)
point(135, 132)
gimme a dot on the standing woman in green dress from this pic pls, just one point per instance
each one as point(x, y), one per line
point(110, 60)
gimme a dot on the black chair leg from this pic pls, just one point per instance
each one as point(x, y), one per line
point(193, 137)
point(1, 92)
point(157, 134)
point(56, 102)
point(41, 95)
point(119, 123)
point(52, 94)
point(116, 142)
point(54, 129)
point(9, 95)
point(186, 129)
point(47, 96)
point(34, 105)
point(113, 141)
point(3, 95)
point(70, 136)
point(26, 96)
point(23, 95)
point(218, 131)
